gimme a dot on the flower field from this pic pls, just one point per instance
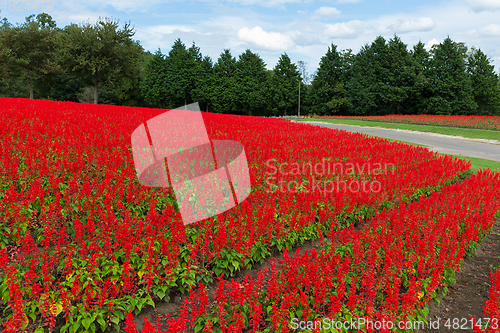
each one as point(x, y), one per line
point(83, 244)
point(480, 122)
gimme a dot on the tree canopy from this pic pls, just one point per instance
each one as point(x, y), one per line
point(100, 53)
point(101, 62)
point(29, 48)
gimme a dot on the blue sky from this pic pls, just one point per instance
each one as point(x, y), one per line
point(302, 28)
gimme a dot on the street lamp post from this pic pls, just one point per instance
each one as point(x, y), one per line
point(299, 98)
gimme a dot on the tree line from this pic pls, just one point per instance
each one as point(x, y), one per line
point(102, 63)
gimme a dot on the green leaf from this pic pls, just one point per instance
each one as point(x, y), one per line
point(102, 322)
point(115, 320)
point(133, 301)
point(32, 316)
point(120, 315)
point(76, 325)
point(86, 323)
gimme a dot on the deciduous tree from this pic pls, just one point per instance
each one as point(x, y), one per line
point(100, 53)
point(29, 49)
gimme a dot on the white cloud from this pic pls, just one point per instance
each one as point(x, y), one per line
point(302, 39)
point(420, 24)
point(272, 41)
point(327, 11)
point(266, 3)
point(491, 30)
point(346, 29)
point(484, 5)
point(430, 43)
point(169, 29)
point(163, 36)
point(129, 5)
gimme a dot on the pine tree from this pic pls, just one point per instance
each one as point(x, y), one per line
point(401, 79)
point(327, 92)
point(251, 84)
point(155, 85)
point(285, 85)
point(223, 82)
point(451, 84)
point(417, 103)
point(203, 90)
point(184, 74)
point(201, 74)
point(485, 88)
point(366, 87)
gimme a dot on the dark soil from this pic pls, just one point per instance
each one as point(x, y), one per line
point(162, 308)
point(468, 295)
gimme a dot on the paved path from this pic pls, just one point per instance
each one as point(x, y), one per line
point(443, 145)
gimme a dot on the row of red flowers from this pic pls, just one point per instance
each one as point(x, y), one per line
point(381, 278)
point(491, 309)
point(82, 242)
point(481, 122)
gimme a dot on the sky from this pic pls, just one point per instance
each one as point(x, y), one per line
point(304, 29)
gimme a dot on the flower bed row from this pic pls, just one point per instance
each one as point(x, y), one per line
point(82, 242)
point(481, 122)
point(491, 310)
point(381, 278)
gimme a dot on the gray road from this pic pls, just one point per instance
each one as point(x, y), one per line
point(435, 143)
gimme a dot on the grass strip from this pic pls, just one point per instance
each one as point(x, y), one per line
point(471, 133)
point(476, 163)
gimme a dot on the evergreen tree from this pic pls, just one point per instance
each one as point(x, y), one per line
point(381, 86)
point(402, 76)
point(155, 85)
point(284, 85)
point(203, 90)
point(223, 83)
point(327, 92)
point(417, 103)
point(485, 88)
point(184, 74)
point(251, 84)
point(368, 76)
point(451, 84)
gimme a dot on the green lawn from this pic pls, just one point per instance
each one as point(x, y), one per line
point(480, 163)
point(465, 132)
